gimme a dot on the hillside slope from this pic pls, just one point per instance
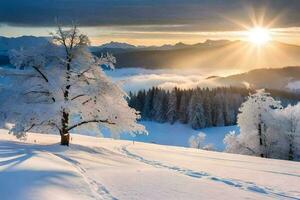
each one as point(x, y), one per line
point(94, 168)
point(280, 79)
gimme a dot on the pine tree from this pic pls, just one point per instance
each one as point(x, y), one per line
point(207, 110)
point(148, 106)
point(196, 112)
point(218, 110)
point(172, 107)
point(183, 107)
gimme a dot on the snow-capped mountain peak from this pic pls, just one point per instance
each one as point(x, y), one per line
point(117, 45)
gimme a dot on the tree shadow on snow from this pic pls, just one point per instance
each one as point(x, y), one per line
point(18, 183)
point(13, 153)
point(23, 184)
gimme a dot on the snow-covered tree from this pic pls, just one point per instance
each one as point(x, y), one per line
point(148, 106)
point(196, 112)
point(266, 129)
point(62, 88)
point(160, 106)
point(207, 111)
point(172, 107)
point(254, 120)
point(183, 108)
point(218, 110)
point(197, 141)
point(287, 129)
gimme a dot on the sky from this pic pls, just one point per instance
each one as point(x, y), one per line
point(153, 22)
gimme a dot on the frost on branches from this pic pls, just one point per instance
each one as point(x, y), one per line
point(287, 127)
point(197, 142)
point(266, 129)
point(62, 88)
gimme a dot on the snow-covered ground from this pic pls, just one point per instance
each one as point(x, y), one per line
point(97, 168)
point(178, 134)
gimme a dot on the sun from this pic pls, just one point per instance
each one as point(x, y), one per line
point(259, 36)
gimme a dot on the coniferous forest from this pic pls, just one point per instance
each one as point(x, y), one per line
point(199, 107)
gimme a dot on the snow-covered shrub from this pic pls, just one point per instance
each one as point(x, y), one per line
point(209, 147)
point(197, 141)
point(231, 142)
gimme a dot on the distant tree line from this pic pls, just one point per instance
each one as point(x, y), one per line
point(199, 107)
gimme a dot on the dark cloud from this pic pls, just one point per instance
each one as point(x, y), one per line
point(199, 14)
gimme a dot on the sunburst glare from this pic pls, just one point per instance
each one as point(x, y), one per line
point(259, 35)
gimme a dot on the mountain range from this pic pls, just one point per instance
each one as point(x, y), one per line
point(220, 55)
point(7, 44)
point(120, 45)
point(211, 55)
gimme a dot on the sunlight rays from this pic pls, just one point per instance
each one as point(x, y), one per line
point(259, 36)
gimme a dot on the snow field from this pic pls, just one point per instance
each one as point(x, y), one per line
point(98, 168)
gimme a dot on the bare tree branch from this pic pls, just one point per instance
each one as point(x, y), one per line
point(85, 102)
point(44, 77)
point(248, 148)
point(81, 73)
point(37, 92)
point(106, 121)
point(74, 32)
point(55, 125)
point(31, 127)
point(80, 95)
point(41, 73)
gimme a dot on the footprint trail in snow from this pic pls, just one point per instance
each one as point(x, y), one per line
point(247, 186)
point(98, 189)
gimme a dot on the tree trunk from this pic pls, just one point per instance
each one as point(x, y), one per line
point(64, 133)
point(65, 139)
point(261, 143)
point(291, 148)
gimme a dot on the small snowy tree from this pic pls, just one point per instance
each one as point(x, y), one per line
point(63, 88)
point(254, 120)
point(197, 141)
point(209, 147)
